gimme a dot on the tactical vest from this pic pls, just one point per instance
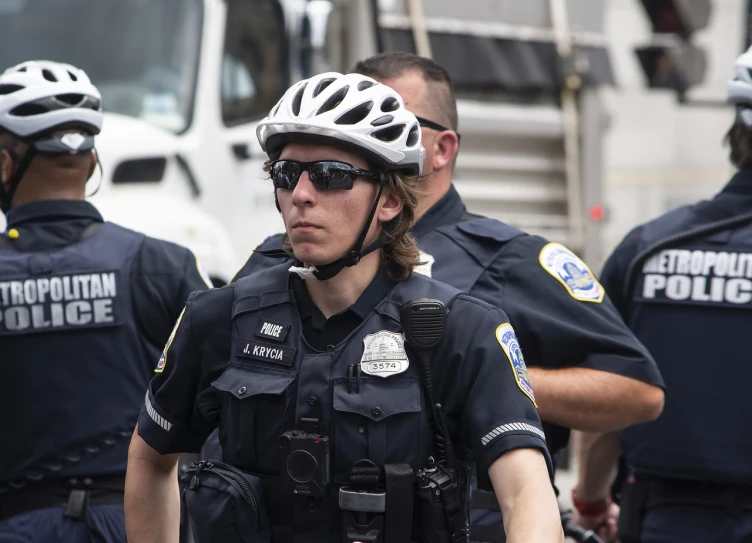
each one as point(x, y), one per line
point(275, 382)
point(74, 364)
point(691, 306)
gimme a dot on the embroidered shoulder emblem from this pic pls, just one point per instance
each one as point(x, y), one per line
point(571, 272)
point(163, 359)
point(508, 340)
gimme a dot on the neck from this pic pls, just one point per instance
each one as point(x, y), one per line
point(343, 290)
point(435, 187)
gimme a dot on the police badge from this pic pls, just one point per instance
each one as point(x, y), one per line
point(384, 354)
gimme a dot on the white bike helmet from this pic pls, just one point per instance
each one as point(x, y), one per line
point(41, 96)
point(350, 111)
point(739, 89)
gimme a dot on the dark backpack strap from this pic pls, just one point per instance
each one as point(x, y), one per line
point(399, 503)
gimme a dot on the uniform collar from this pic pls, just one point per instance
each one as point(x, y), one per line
point(741, 183)
point(448, 210)
point(374, 293)
point(48, 209)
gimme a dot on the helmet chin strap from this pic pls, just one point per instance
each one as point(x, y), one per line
point(327, 271)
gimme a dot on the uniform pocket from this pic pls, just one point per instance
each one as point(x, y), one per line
point(381, 422)
point(254, 410)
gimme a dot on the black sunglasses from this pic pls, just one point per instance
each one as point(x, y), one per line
point(324, 174)
point(436, 126)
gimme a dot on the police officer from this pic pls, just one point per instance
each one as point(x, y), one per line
point(683, 283)
point(85, 308)
point(312, 355)
point(588, 370)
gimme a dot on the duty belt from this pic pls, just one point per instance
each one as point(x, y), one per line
point(72, 494)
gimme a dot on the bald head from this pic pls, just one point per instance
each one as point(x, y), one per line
point(424, 85)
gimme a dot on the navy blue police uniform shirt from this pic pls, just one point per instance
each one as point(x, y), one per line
point(75, 371)
point(560, 312)
point(489, 405)
point(690, 304)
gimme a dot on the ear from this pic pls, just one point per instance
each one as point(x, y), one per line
point(94, 162)
point(445, 147)
point(390, 207)
point(7, 166)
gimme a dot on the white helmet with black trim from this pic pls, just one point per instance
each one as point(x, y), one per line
point(37, 97)
point(739, 89)
point(351, 111)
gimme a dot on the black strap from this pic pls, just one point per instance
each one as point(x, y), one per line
point(482, 499)
point(733, 498)
point(488, 534)
point(703, 230)
point(399, 503)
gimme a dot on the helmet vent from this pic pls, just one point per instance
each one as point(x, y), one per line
point(323, 84)
point(356, 114)
point(49, 76)
point(412, 137)
point(381, 121)
point(334, 100)
point(389, 133)
point(28, 110)
point(73, 76)
point(298, 99)
point(24, 69)
point(390, 104)
point(363, 85)
point(7, 89)
point(71, 99)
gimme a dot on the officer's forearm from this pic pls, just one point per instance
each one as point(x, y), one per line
point(152, 498)
point(597, 460)
point(593, 400)
point(526, 497)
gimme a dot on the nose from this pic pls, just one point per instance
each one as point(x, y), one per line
point(304, 192)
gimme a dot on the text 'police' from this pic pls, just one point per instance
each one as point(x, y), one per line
point(53, 302)
point(699, 276)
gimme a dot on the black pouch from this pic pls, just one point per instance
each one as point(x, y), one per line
point(224, 504)
point(633, 500)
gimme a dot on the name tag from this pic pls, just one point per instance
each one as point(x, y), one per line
point(276, 354)
point(272, 330)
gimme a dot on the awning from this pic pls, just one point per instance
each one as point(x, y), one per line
point(488, 63)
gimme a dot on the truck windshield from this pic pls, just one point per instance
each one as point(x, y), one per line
point(141, 54)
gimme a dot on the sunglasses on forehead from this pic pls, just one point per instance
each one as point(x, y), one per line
point(324, 174)
point(436, 126)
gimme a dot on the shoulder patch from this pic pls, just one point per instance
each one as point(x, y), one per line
point(163, 359)
point(508, 340)
point(203, 273)
point(486, 227)
point(571, 272)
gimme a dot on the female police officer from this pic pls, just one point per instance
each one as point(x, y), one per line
point(320, 356)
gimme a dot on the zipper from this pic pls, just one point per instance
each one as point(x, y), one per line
point(245, 488)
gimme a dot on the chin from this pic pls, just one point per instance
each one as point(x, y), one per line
point(310, 254)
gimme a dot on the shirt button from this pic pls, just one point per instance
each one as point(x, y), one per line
point(313, 400)
point(361, 429)
point(242, 390)
point(376, 412)
point(330, 348)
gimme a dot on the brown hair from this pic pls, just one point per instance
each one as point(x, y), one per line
point(400, 253)
point(440, 93)
point(739, 140)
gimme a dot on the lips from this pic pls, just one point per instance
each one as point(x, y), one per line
point(304, 226)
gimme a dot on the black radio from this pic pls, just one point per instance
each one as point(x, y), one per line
point(305, 463)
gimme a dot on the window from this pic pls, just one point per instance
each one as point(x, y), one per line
point(254, 63)
point(142, 55)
